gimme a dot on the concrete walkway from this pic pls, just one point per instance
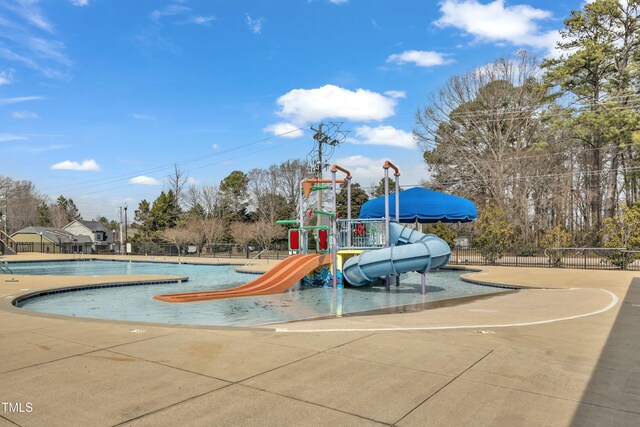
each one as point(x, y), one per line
point(572, 359)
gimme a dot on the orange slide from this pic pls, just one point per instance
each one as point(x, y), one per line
point(280, 278)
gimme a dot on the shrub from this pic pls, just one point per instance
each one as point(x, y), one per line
point(622, 231)
point(557, 237)
point(446, 232)
point(494, 234)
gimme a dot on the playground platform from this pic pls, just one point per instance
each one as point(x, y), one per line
point(571, 356)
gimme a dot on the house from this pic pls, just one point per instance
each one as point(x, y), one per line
point(101, 237)
point(50, 240)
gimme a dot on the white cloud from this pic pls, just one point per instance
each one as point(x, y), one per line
point(18, 99)
point(383, 135)
point(24, 115)
point(255, 25)
point(170, 10)
point(368, 171)
point(28, 38)
point(301, 106)
point(421, 58)
point(339, 2)
point(29, 12)
point(80, 3)
point(363, 169)
point(143, 117)
point(215, 146)
point(85, 166)
point(202, 20)
point(144, 180)
point(495, 22)
point(4, 137)
point(285, 130)
point(178, 9)
point(6, 77)
point(192, 181)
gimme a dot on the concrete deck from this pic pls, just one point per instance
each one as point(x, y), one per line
point(566, 352)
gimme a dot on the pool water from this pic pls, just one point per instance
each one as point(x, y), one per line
point(136, 303)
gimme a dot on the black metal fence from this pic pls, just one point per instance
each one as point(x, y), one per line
point(224, 250)
point(54, 248)
point(582, 258)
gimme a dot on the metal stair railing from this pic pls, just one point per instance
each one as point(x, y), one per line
point(9, 243)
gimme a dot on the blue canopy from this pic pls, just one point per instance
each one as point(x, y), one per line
point(422, 205)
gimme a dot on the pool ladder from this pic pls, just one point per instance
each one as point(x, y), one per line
point(4, 269)
point(255, 257)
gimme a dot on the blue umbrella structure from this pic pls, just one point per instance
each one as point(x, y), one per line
point(424, 206)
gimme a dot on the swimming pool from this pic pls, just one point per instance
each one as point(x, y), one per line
point(136, 303)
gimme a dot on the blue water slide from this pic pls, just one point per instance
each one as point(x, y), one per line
point(411, 250)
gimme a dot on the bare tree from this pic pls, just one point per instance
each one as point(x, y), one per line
point(192, 198)
point(213, 230)
point(289, 175)
point(210, 201)
point(21, 200)
point(58, 216)
point(241, 233)
point(177, 181)
point(181, 236)
point(267, 199)
point(484, 138)
point(266, 232)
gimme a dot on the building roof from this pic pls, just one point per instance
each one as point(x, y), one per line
point(93, 227)
point(55, 235)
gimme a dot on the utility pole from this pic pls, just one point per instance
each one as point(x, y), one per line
point(125, 228)
point(327, 137)
point(6, 212)
point(121, 234)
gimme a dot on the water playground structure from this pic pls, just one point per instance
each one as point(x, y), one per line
point(363, 251)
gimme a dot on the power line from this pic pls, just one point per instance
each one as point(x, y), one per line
point(116, 178)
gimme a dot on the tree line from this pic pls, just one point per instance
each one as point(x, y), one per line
point(546, 146)
point(22, 205)
point(241, 209)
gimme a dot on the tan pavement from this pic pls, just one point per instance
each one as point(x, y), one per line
point(563, 351)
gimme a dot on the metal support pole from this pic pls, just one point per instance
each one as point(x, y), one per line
point(301, 245)
point(348, 212)
point(334, 234)
point(397, 176)
point(423, 283)
point(386, 219)
point(386, 207)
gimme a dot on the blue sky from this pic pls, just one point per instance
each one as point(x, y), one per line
point(99, 98)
